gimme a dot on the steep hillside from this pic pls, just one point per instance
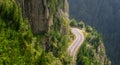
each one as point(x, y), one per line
point(34, 32)
point(40, 13)
point(37, 32)
point(92, 51)
point(103, 15)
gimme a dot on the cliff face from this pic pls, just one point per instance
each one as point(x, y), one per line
point(18, 45)
point(66, 7)
point(35, 11)
point(39, 13)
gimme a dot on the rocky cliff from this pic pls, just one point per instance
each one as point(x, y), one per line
point(40, 13)
point(18, 45)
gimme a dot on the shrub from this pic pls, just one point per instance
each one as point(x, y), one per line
point(73, 23)
point(81, 24)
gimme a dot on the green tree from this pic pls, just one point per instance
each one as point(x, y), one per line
point(89, 29)
point(73, 22)
point(81, 24)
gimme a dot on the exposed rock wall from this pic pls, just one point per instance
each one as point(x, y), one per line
point(66, 7)
point(39, 14)
point(34, 10)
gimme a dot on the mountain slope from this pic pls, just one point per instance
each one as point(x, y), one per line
point(92, 50)
point(25, 40)
point(35, 35)
point(103, 15)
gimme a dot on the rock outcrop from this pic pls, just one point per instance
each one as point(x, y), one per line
point(35, 11)
point(66, 7)
point(39, 14)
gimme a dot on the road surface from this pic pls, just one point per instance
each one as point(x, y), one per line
point(77, 41)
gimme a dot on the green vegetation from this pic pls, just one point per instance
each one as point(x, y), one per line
point(17, 43)
point(81, 24)
point(104, 16)
point(59, 38)
point(59, 35)
point(52, 6)
point(19, 46)
point(89, 29)
point(75, 23)
point(92, 52)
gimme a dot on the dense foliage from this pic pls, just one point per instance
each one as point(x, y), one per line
point(92, 52)
point(75, 23)
point(104, 16)
point(19, 46)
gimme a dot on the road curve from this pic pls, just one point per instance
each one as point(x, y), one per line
point(77, 41)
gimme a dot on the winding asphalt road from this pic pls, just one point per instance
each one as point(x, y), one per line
point(77, 41)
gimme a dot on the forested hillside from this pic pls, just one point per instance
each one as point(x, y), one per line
point(37, 32)
point(20, 44)
point(103, 15)
point(92, 51)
